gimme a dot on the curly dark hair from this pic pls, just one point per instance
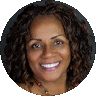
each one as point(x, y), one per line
point(76, 32)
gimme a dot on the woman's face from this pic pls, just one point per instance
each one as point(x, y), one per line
point(48, 50)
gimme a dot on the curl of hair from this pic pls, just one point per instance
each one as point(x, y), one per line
point(75, 30)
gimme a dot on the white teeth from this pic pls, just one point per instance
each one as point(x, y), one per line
point(50, 65)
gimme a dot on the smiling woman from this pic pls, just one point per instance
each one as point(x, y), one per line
point(48, 52)
point(48, 49)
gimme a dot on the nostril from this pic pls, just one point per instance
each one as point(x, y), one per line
point(47, 55)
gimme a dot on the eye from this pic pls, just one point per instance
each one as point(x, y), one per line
point(59, 42)
point(36, 46)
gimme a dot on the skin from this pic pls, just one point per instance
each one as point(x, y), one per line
point(48, 50)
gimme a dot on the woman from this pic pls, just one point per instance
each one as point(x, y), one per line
point(47, 49)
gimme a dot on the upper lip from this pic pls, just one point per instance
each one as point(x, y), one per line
point(50, 62)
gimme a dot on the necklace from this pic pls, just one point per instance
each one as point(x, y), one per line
point(40, 85)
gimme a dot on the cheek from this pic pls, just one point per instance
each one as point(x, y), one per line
point(66, 55)
point(33, 56)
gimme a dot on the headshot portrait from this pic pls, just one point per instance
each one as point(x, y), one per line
point(48, 49)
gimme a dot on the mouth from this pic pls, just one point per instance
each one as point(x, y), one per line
point(50, 66)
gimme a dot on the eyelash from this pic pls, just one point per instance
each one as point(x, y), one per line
point(34, 45)
point(60, 42)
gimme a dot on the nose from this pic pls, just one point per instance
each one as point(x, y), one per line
point(48, 53)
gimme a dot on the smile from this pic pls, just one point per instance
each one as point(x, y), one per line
point(50, 66)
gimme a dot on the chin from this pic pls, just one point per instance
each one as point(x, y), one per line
point(51, 78)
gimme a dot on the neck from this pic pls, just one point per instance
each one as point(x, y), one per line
point(54, 87)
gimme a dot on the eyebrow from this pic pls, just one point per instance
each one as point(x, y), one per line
point(41, 40)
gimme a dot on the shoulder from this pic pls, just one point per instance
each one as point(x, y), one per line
point(24, 86)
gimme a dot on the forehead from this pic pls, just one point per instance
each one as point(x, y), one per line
point(45, 18)
point(46, 25)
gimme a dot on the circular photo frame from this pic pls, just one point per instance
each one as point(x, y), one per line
point(48, 48)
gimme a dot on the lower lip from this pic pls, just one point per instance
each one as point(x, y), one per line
point(51, 69)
